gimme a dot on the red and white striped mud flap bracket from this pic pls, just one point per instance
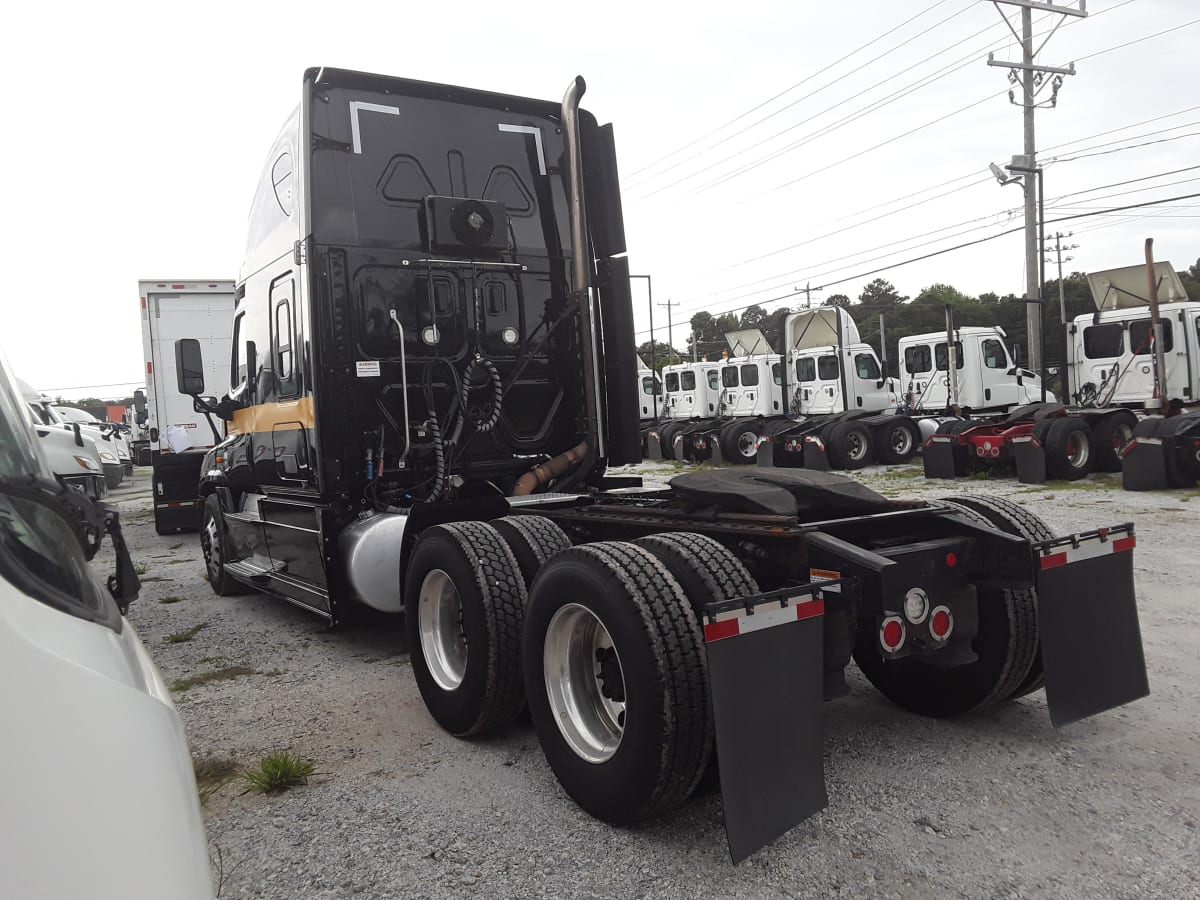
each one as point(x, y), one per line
point(1091, 644)
point(765, 677)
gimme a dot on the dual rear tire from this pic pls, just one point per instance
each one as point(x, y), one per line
point(605, 646)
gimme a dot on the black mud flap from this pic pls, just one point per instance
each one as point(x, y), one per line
point(765, 677)
point(766, 452)
point(653, 446)
point(715, 456)
point(1088, 623)
point(815, 456)
point(943, 457)
point(1144, 465)
point(1030, 458)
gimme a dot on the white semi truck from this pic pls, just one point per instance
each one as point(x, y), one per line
point(180, 435)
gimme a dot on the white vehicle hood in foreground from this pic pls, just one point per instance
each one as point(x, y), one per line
point(98, 797)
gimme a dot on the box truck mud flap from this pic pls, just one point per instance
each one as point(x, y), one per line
point(1087, 613)
point(765, 675)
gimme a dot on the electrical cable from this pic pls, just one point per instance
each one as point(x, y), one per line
point(782, 93)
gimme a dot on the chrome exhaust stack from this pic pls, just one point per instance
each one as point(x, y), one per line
point(581, 271)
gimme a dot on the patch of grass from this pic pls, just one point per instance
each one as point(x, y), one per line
point(175, 562)
point(179, 685)
point(182, 637)
point(213, 660)
point(139, 568)
point(279, 771)
point(212, 773)
point(171, 598)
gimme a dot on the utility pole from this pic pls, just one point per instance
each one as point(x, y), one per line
point(1032, 79)
point(670, 330)
point(808, 294)
point(1058, 249)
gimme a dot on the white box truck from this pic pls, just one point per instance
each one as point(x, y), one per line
point(179, 434)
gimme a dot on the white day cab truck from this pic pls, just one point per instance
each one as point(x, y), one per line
point(1112, 425)
point(99, 796)
point(177, 431)
point(433, 369)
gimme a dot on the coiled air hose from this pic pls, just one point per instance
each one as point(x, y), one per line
point(482, 363)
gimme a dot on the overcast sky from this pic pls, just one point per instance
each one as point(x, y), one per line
point(136, 134)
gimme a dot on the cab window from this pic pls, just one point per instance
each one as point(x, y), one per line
point(687, 380)
point(672, 381)
point(777, 373)
point(647, 385)
point(237, 369)
point(918, 359)
point(749, 376)
point(714, 379)
point(827, 368)
point(994, 356)
point(866, 366)
point(729, 376)
point(940, 356)
point(806, 369)
point(1104, 341)
point(1139, 337)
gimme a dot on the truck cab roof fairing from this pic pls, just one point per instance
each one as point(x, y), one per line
point(273, 225)
point(379, 146)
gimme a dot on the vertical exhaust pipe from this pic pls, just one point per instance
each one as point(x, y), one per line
point(951, 362)
point(581, 270)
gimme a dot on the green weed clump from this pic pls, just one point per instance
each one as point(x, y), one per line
point(279, 771)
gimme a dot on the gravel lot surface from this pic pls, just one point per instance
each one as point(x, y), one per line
point(997, 805)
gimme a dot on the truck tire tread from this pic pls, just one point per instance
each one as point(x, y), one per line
point(492, 692)
point(533, 540)
point(631, 579)
point(1014, 519)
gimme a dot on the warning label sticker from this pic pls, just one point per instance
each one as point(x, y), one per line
point(367, 368)
point(815, 575)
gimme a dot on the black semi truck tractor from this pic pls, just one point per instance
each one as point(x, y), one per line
point(433, 367)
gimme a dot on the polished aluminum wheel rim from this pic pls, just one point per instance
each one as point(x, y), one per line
point(856, 447)
point(1078, 450)
point(443, 641)
point(748, 444)
point(584, 683)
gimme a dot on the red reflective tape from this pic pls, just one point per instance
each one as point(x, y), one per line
point(178, 287)
point(1054, 560)
point(815, 607)
point(1125, 543)
point(149, 368)
point(715, 631)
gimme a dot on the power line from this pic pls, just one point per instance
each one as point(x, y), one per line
point(874, 106)
point(788, 90)
point(1128, 147)
point(826, 129)
point(956, 247)
point(874, 219)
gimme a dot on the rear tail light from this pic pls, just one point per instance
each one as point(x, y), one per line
point(941, 623)
point(892, 634)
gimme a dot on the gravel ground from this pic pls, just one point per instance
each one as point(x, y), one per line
point(997, 805)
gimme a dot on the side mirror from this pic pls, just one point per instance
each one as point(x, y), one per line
point(189, 367)
point(251, 367)
point(139, 401)
point(880, 383)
